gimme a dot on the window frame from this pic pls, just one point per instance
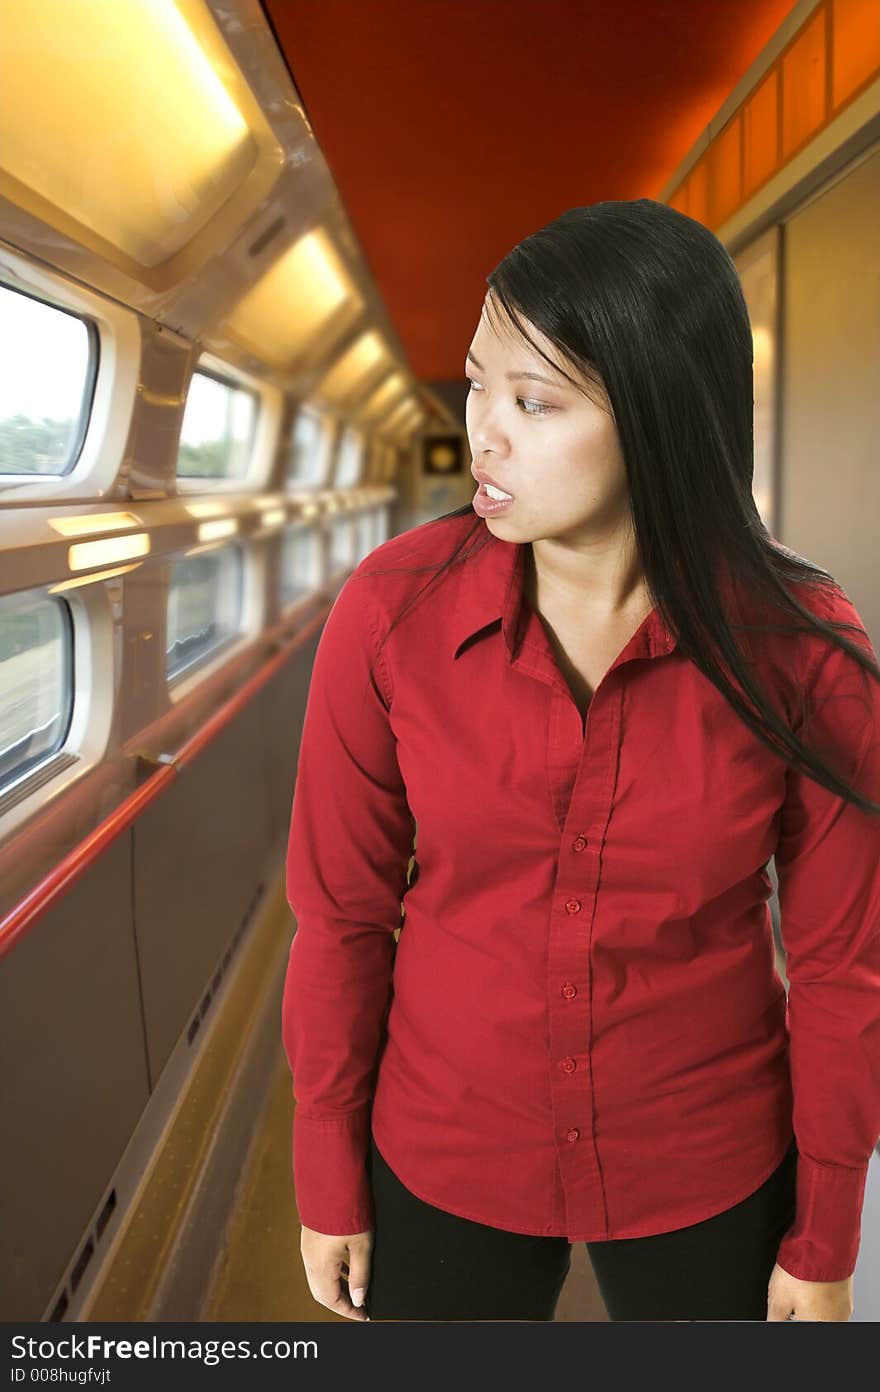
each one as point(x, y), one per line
point(87, 396)
point(264, 438)
point(327, 428)
point(101, 453)
point(90, 626)
point(38, 764)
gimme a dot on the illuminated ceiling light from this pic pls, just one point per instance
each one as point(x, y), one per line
point(212, 531)
point(352, 368)
point(115, 116)
point(85, 523)
point(399, 414)
point(295, 300)
point(408, 424)
point(86, 554)
point(383, 398)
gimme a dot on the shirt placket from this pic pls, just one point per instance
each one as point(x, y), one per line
point(582, 806)
point(575, 894)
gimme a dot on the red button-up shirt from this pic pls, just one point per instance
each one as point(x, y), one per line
point(581, 1031)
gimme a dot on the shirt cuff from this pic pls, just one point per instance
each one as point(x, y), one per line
point(823, 1242)
point(333, 1194)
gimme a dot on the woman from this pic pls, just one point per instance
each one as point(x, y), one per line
point(602, 707)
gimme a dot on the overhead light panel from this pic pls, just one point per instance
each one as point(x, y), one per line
point(383, 398)
point(353, 368)
point(294, 301)
point(400, 413)
point(127, 121)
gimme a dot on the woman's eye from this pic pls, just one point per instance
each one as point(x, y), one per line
point(526, 404)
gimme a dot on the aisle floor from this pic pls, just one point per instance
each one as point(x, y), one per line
point(260, 1276)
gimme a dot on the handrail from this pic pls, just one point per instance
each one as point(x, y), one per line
point(62, 876)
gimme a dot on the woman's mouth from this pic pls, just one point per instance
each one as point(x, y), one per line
point(488, 500)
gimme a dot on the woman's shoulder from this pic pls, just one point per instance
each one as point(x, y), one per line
point(813, 590)
point(824, 598)
point(797, 646)
point(429, 542)
point(401, 566)
point(811, 664)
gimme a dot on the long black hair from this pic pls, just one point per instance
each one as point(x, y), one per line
point(646, 304)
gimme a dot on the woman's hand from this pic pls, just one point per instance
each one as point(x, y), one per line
point(790, 1298)
point(336, 1266)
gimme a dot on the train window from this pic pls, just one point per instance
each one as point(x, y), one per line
point(300, 564)
point(48, 365)
point(204, 606)
point(36, 677)
point(307, 456)
point(219, 424)
point(350, 459)
point(342, 544)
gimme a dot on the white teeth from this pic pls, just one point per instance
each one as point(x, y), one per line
point(497, 493)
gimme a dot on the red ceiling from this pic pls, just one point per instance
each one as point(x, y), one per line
point(454, 128)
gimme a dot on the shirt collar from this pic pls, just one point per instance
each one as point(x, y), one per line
point(491, 589)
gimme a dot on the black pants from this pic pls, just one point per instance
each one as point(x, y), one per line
point(432, 1265)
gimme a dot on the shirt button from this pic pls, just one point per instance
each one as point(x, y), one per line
point(573, 1134)
point(573, 906)
point(569, 991)
point(569, 1065)
point(579, 843)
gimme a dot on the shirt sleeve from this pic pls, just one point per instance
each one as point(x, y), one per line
point(350, 841)
point(828, 867)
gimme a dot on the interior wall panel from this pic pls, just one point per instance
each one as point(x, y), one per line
point(285, 709)
point(830, 486)
point(200, 851)
point(74, 1077)
point(830, 490)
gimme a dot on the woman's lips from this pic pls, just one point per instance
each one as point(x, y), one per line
point(486, 481)
point(485, 505)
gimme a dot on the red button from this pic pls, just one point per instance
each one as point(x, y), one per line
point(579, 843)
point(573, 1134)
point(569, 991)
point(573, 906)
point(569, 1065)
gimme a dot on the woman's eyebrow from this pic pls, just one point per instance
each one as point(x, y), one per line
point(516, 376)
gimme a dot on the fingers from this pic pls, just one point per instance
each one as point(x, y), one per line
point(359, 1271)
point(779, 1309)
point(334, 1294)
point(328, 1260)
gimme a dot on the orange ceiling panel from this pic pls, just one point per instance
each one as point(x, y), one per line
point(454, 128)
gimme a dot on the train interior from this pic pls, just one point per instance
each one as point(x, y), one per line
point(230, 236)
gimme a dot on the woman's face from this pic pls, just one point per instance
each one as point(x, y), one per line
point(542, 440)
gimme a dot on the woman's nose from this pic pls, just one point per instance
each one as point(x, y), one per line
point(487, 432)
